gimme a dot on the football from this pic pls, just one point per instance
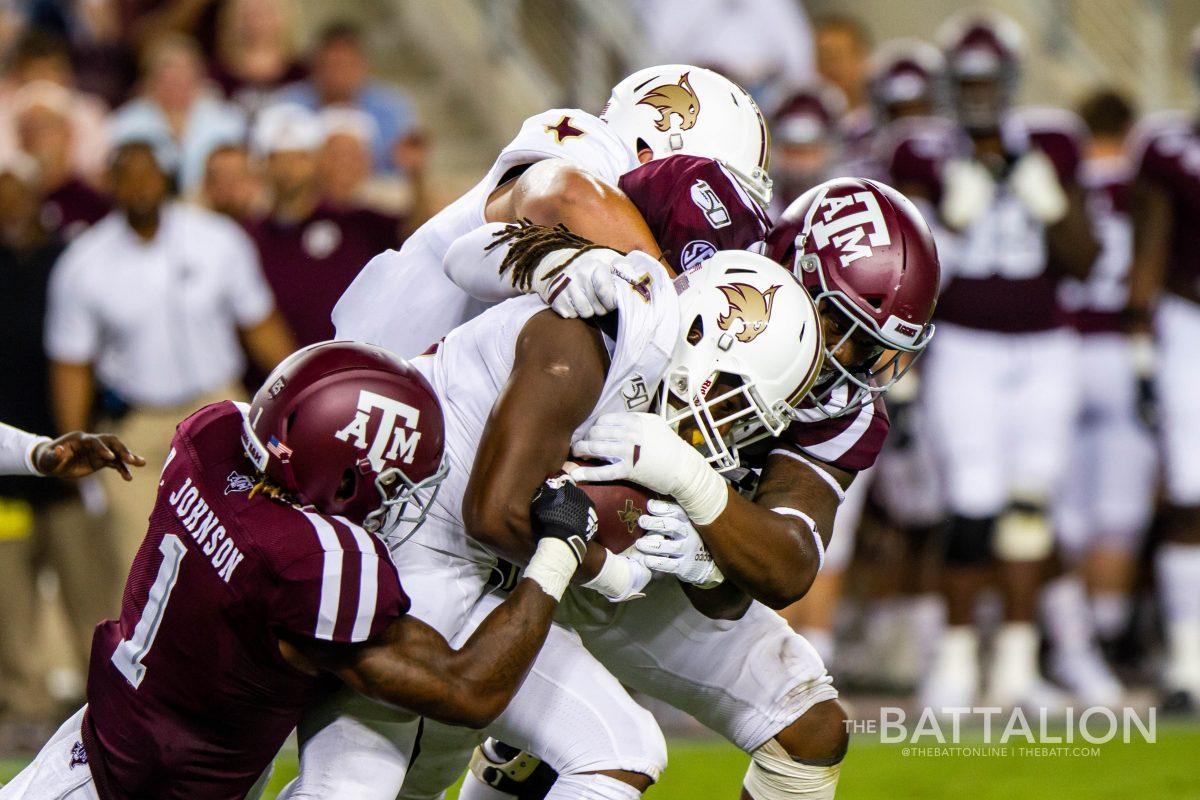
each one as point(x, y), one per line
point(618, 506)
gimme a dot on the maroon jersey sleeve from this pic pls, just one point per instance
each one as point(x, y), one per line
point(348, 592)
point(913, 152)
point(694, 207)
point(850, 443)
point(1061, 135)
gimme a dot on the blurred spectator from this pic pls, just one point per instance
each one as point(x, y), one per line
point(341, 76)
point(143, 22)
point(344, 163)
point(177, 106)
point(805, 140)
point(310, 250)
point(255, 54)
point(150, 302)
point(231, 184)
point(40, 57)
point(43, 116)
point(40, 520)
point(843, 53)
point(761, 44)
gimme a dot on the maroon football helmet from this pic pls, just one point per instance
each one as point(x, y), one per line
point(865, 253)
point(906, 78)
point(808, 115)
point(983, 51)
point(352, 431)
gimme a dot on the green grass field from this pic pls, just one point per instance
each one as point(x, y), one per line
point(1164, 770)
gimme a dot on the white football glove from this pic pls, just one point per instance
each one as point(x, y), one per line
point(1036, 185)
point(968, 193)
point(643, 448)
point(584, 288)
point(675, 546)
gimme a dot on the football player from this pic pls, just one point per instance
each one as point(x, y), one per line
point(73, 455)
point(806, 141)
point(775, 709)
point(562, 167)
point(264, 573)
point(1164, 298)
point(1106, 502)
point(998, 384)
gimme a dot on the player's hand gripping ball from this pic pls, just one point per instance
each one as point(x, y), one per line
point(619, 505)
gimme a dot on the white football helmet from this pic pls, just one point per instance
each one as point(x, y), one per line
point(750, 346)
point(677, 108)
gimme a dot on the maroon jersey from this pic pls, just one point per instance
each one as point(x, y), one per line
point(997, 267)
point(1168, 146)
point(850, 443)
point(72, 208)
point(1095, 305)
point(310, 264)
point(710, 210)
point(188, 696)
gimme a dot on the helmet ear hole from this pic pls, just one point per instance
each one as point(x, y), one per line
point(347, 486)
point(696, 332)
point(875, 301)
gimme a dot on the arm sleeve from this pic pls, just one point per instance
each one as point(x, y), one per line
point(249, 293)
point(477, 271)
point(16, 450)
point(72, 329)
point(339, 595)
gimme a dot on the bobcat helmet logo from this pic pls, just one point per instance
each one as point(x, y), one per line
point(750, 307)
point(673, 98)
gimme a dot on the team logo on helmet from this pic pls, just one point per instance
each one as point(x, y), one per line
point(673, 98)
point(395, 439)
point(749, 306)
point(854, 224)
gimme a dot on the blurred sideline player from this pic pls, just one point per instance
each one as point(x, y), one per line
point(1104, 508)
point(998, 385)
point(1164, 297)
point(562, 167)
point(903, 83)
point(805, 142)
point(72, 455)
point(264, 572)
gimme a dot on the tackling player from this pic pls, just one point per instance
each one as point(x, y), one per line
point(562, 167)
point(263, 573)
point(73, 455)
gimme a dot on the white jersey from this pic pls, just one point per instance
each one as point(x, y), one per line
point(471, 367)
point(402, 300)
point(16, 450)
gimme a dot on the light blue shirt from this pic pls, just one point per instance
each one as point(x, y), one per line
point(394, 115)
point(211, 123)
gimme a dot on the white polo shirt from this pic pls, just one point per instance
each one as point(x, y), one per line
point(159, 319)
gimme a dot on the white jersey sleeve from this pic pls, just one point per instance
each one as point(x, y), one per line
point(472, 365)
point(403, 300)
point(16, 450)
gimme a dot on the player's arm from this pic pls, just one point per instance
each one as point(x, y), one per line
point(558, 372)
point(549, 193)
point(1153, 227)
point(1071, 242)
point(412, 666)
point(773, 547)
point(556, 191)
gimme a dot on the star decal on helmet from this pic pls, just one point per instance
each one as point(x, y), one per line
point(563, 130)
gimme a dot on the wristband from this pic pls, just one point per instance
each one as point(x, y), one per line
point(552, 567)
point(614, 580)
point(812, 528)
point(703, 498)
point(29, 454)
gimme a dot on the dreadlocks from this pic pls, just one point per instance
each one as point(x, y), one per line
point(529, 244)
point(266, 487)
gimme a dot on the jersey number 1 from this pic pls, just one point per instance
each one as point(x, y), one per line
point(129, 653)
